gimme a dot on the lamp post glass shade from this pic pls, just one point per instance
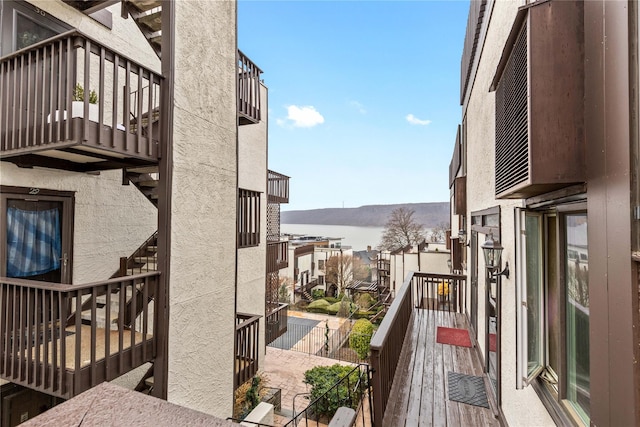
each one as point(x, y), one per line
point(492, 252)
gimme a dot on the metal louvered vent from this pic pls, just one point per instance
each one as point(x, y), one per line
point(512, 135)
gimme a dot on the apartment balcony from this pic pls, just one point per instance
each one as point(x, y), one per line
point(53, 341)
point(247, 348)
point(277, 187)
point(72, 103)
point(277, 322)
point(277, 256)
point(410, 367)
point(248, 95)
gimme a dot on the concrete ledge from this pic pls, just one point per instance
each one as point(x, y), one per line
point(344, 417)
point(262, 414)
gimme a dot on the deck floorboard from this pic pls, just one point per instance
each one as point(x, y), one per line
point(420, 391)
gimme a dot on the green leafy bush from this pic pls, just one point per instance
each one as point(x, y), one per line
point(323, 378)
point(332, 300)
point(364, 300)
point(317, 294)
point(360, 337)
point(318, 306)
point(349, 307)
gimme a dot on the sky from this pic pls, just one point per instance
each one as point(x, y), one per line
point(363, 96)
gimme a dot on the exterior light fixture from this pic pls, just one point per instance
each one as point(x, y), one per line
point(461, 233)
point(492, 250)
point(449, 263)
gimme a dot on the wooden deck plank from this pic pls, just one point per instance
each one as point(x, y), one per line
point(397, 405)
point(413, 409)
point(439, 378)
point(449, 355)
point(426, 406)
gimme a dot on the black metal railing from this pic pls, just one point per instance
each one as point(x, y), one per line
point(351, 391)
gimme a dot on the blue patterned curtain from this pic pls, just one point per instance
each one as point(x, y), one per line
point(34, 244)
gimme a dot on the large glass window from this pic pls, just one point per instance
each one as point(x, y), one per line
point(534, 304)
point(555, 300)
point(577, 314)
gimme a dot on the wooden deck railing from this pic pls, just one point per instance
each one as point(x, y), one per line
point(71, 89)
point(247, 347)
point(277, 323)
point(277, 187)
point(248, 90)
point(277, 256)
point(42, 350)
point(419, 290)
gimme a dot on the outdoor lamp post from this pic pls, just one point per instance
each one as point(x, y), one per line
point(449, 264)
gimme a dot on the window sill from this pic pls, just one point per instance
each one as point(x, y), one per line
point(549, 399)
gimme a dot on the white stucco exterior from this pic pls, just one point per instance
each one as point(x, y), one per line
point(520, 407)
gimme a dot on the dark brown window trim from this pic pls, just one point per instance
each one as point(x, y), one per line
point(495, 210)
point(550, 402)
point(35, 191)
point(570, 194)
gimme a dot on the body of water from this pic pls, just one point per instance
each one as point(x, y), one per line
point(356, 237)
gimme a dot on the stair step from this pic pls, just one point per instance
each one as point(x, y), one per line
point(143, 169)
point(152, 19)
point(149, 382)
point(144, 5)
point(146, 259)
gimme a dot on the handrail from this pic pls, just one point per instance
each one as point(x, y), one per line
point(419, 290)
point(246, 347)
point(62, 36)
point(42, 349)
point(64, 287)
point(47, 98)
point(353, 400)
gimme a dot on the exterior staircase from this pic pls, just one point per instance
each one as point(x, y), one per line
point(148, 15)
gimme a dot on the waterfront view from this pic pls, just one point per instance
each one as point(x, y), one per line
point(356, 237)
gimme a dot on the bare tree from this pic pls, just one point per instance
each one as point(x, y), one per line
point(401, 230)
point(340, 270)
point(439, 232)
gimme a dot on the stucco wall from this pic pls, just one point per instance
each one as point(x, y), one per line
point(111, 220)
point(125, 37)
point(480, 114)
point(203, 208)
point(252, 175)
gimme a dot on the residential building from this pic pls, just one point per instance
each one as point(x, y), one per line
point(393, 266)
point(133, 137)
point(307, 271)
point(545, 163)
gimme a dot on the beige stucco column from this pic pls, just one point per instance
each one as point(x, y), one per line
point(203, 208)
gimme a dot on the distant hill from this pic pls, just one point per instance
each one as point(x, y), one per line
point(429, 214)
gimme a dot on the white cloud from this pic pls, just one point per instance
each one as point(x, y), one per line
point(416, 121)
point(302, 117)
point(358, 106)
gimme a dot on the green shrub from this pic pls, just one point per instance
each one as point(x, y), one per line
point(332, 300)
point(347, 307)
point(364, 300)
point(318, 306)
point(360, 337)
point(363, 314)
point(317, 294)
point(322, 378)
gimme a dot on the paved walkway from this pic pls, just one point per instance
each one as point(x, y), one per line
point(284, 369)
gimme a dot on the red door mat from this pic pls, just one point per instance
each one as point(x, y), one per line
point(453, 336)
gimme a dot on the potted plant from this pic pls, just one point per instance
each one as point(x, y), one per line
point(77, 106)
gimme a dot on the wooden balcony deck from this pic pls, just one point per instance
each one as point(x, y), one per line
point(419, 394)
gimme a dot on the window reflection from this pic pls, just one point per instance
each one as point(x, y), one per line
point(29, 32)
